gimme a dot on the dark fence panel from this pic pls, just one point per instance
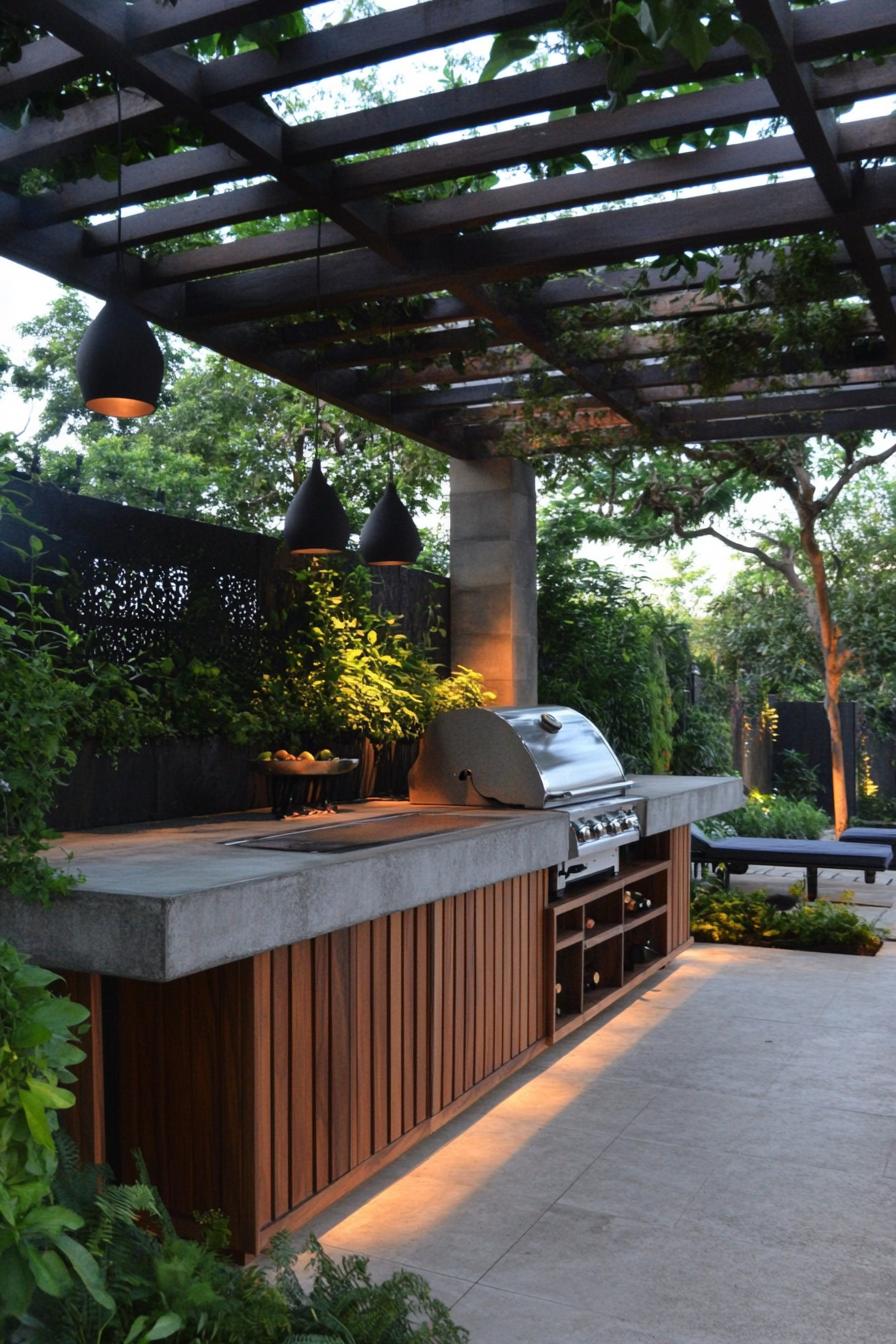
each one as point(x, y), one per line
point(139, 583)
point(803, 727)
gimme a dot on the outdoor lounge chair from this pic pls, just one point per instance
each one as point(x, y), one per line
point(735, 854)
point(870, 835)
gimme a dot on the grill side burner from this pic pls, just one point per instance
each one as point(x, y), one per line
point(543, 756)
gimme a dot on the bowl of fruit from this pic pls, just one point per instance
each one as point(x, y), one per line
point(283, 762)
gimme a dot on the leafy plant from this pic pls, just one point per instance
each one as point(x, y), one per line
point(879, 809)
point(37, 708)
point(702, 744)
point(463, 689)
point(768, 814)
point(344, 1303)
point(794, 777)
point(720, 916)
point(38, 1252)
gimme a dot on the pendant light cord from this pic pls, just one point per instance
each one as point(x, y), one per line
point(317, 360)
point(119, 152)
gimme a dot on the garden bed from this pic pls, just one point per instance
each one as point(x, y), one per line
point(748, 919)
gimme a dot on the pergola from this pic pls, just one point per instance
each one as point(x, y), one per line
point(440, 269)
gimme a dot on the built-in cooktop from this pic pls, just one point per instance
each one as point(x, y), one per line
point(367, 833)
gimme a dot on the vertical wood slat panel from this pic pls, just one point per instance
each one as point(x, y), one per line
point(280, 1109)
point(488, 1021)
point(340, 1052)
point(362, 1044)
point(479, 900)
point(448, 977)
point(469, 900)
point(301, 1072)
point(516, 950)
point(395, 1020)
point(460, 988)
point(323, 1045)
point(262, 1051)
point(408, 1004)
point(437, 1000)
point(380, 1027)
point(86, 1121)
point(422, 989)
point(679, 889)
point(507, 922)
point(321, 1062)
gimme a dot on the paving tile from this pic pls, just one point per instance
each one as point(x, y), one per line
point(789, 1205)
point(495, 1317)
point(637, 1178)
point(439, 1226)
point(444, 1287)
point(824, 1136)
point(703, 1287)
point(712, 1163)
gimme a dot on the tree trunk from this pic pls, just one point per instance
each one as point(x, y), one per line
point(835, 659)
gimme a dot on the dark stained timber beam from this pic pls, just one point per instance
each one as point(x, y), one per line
point(817, 133)
point(43, 140)
point(802, 426)
point(567, 244)
point(350, 46)
point(49, 63)
point(809, 402)
point(724, 105)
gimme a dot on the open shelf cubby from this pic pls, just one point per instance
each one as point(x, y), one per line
point(590, 934)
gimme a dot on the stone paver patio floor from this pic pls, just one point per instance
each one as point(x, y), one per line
point(713, 1163)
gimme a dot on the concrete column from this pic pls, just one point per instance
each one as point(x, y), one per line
point(493, 593)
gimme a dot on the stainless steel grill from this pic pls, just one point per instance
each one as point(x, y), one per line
point(543, 756)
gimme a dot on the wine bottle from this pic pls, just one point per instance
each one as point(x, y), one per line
point(589, 922)
point(592, 979)
point(628, 901)
point(558, 990)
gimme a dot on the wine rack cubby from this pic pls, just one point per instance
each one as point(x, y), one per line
point(606, 935)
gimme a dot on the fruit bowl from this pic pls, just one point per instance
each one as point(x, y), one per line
point(339, 766)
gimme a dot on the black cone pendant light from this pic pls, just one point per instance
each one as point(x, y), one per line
point(389, 537)
point(119, 364)
point(316, 523)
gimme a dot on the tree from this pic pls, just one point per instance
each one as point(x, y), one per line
point(664, 494)
point(226, 445)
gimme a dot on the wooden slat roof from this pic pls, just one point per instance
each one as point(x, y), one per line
point(474, 285)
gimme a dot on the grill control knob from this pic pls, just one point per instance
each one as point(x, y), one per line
point(582, 829)
point(599, 826)
point(614, 825)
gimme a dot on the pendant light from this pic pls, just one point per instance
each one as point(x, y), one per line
point(316, 523)
point(119, 364)
point(390, 537)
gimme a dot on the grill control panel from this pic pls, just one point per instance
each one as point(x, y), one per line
point(597, 832)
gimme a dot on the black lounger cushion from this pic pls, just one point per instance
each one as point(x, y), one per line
point(783, 853)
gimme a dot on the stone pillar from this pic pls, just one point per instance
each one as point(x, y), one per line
point(493, 593)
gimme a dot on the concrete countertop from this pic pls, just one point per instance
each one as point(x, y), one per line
point(677, 800)
point(166, 899)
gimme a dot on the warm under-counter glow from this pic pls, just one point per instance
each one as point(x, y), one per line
point(454, 1168)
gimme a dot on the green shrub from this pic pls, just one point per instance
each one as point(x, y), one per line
point(703, 744)
point(38, 707)
point(794, 777)
point(84, 1259)
point(719, 916)
point(878, 809)
point(769, 815)
point(38, 1251)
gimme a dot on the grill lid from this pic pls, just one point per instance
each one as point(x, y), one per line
point(540, 756)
